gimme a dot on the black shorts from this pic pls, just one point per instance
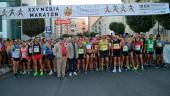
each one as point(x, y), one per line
point(81, 56)
point(138, 52)
point(49, 57)
point(150, 53)
point(159, 51)
point(43, 57)
point(16, 59)
point(125, 53)
point(104, 54)
point(24, 60)
point(116, 53)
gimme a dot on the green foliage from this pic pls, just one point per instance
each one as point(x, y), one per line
point(118, 28)
point(90, 34)
point(140, 23)
point(33, 27)
point(66, 35)
point(164, 20)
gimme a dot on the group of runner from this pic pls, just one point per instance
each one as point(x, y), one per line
point(107, 52)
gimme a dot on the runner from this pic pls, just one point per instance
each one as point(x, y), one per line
point(81, 56)
point(159, 45)
point(143, 39)
point(16, 53)
point(138, 47)
point(44, 59)
point(29, 53)
point(131, 51)
point(125, 51)
point(116, 52)
point(49, 56)
point(37, 57)
point(89, 55)
point(150, 49)
point(96, 53)
point(24, 57)
point(104, 52)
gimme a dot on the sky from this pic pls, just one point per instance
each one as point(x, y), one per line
point(76, 2)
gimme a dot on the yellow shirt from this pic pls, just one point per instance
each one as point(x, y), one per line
point(103, 45)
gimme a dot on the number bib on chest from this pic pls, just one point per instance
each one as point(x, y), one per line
point(159, 44)
point(36, 49)
point(30, 50)
point(89, 46)
point(104, 47)
point(116, 46)
point(137, 47)
point(151, 46)
point(81, 51)
point(125, 48)
point(17, 52)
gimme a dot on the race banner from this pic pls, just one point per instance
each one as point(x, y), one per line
point(27, 12)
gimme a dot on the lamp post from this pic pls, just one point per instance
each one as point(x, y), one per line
point(50, 3)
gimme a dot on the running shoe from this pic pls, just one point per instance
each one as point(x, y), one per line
point(114, 70)
point(120, 70)
point(35, 73)
point(41, 73)
point(50, 73)
point(75, 73)
point(70, 74)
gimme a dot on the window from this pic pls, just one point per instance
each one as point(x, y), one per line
point(0, 23)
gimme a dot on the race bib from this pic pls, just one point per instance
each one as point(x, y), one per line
point(17, 52)
point(89, 46)
point(159, 44)
point(44, 52)
point(80, 51)
point(151, 46)
point(104, 47)
point(36, 49)
point(116, 46)
point(24, 54)
point(125, 48)
point(137, 47)
point(30, 50)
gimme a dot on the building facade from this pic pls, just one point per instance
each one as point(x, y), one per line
point(9, 28)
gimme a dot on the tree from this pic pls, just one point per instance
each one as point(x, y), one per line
point(118, 28)
point(164, 19)
point(140, 23)
point(33, 27)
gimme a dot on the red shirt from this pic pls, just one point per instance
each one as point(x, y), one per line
point(63, 49)
point(138, 45)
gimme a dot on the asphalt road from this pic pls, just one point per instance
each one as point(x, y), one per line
point(151, 82)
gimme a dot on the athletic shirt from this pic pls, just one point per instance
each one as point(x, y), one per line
point(80, 50)
point(138, 46)
point(49, 51)
point(16, 51)
point(30, 51)
point(150, 45)
point(125, 47)
point(159, 44)
point(36, 49)
point(24, 52)
point(116, 45)
point(44, 48)
point(103, 45)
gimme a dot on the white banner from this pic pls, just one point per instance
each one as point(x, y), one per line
point(27, 12)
